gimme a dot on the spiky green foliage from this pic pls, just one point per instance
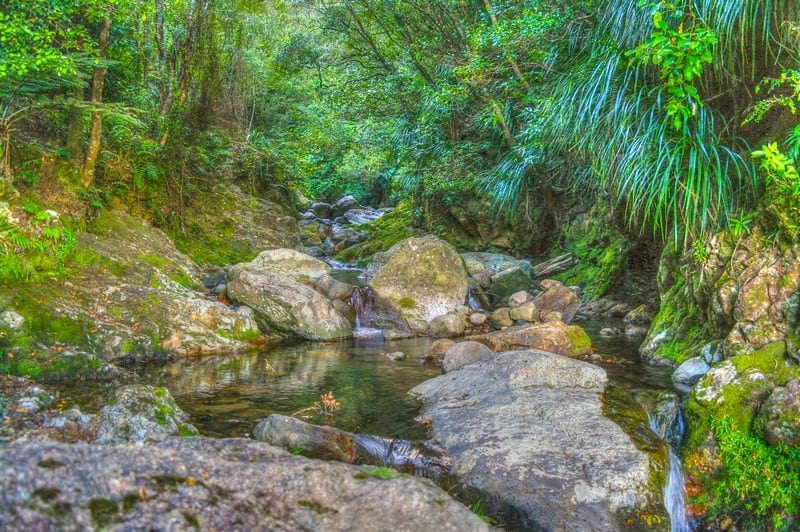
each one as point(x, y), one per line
point(665, 140)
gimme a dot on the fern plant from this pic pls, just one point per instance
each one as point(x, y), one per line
point(34, 247)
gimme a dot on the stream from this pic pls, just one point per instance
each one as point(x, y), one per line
point(225, 396)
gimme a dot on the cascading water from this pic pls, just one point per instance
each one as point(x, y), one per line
point(670, 424)
point(361, 301)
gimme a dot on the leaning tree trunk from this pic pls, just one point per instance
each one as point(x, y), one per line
point(98, 81)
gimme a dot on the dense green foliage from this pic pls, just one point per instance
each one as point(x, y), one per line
point(763, 479)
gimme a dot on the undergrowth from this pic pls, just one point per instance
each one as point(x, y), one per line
point(761, 479)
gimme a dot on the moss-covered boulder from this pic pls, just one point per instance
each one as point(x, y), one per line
point(131, 296)
point(142, 414)
point(729, 456)
point(423, 278)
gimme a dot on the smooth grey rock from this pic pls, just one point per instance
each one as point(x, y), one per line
point(464, 353)
point(690, 371)
point(141, 414)
point(608, 332)
point(288, 306)
point(527, 428)
point(447, 326)
point(210, 484)
point(478, 318)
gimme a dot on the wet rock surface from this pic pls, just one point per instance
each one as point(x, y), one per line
point(191, 483)
point(527, 428)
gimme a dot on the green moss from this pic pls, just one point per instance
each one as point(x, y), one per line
point(170, 269)
point(406, 303)
point(384, 232)
point(762, 480)
point(581, 343)
point(242, 334)
point(769, 360)
point(678, 315)
point(752, 479)
point(186, 432)
point(104, 512)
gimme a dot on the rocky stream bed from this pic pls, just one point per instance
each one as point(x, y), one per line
point(462, 369)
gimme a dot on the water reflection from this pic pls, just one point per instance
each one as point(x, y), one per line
point(225, 395)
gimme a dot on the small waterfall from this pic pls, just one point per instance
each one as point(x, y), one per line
point(361, 301)
point(400, 454)
point(670, 424)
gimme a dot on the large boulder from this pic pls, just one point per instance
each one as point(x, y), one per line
point(286, 262)
point(289, 307)
point(527, 428)
point(553, 336)
point(423, 278)
point(142, 414)
point(210, 484)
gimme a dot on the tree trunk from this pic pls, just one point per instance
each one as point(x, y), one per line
point(74, 140)
point(98, 81)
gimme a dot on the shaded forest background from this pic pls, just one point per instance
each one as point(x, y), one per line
point(670, 119)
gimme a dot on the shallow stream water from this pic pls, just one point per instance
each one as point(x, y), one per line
point(226, 395)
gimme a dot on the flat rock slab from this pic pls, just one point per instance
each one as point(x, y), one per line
point(527, 428)
point(208, 484)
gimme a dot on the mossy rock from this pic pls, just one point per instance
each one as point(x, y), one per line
point(424, 278)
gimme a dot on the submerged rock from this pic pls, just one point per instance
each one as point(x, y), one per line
point(423, 278)
point(209, 484)
point(527, 428)
point(314, 441)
